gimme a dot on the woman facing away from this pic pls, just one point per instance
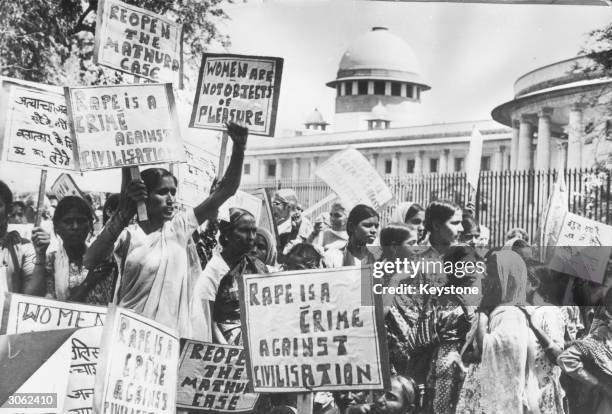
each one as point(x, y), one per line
point(67, 278)
point(589, 361)
point(157, 269)
point(504, 380)
point(362, 228)
point(216, 291)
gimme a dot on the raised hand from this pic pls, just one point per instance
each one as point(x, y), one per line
point(237, 133)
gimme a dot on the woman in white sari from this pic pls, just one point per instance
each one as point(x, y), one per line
point(157, 260)
point(504, 381)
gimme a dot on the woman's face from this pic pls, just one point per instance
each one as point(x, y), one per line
point(471, 238)
point(337, 219)
point(394, 401)
point(260, 248)
point(448, 232)
point(73, 228)
point(242, 237)
point(365, 231)
point(406, 248)
point(416, 222)
point(161, 200)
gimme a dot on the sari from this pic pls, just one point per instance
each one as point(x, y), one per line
point(504, 381)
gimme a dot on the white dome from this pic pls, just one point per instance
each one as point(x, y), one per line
point(380, 49)
point(315, 117)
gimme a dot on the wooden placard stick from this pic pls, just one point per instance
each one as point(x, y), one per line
point(142, 208)
point(305, 403)
point(41, 197)
point(221, 168)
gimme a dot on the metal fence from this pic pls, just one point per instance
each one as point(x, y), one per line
point(506, 199)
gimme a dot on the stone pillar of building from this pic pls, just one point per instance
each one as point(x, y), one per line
point(525, 140)
point(498, 159)
point(443, 167)
point(514, 145)
point(561, 161)
point(544, 140)
point(395, 164)
point(279, 168)
point(418, 162)
point(574, 138)
point(374, 161)
point(295, 168)
point(313, 165)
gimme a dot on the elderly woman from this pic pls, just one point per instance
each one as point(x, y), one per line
point(264, 248)
point(362, 228)
point(158, 262)
point(67, 278)
point(334, 237)
point(216, 291)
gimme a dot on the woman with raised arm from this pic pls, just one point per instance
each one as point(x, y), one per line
point(158, 263)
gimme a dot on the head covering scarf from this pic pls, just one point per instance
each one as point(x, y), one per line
point(287, 195)
point(399, 216)
point(271, 249)
point(512, 274)
point(226, 227)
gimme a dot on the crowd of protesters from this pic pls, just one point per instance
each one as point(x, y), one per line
point(530, 342)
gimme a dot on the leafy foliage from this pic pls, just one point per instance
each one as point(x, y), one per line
point(52, 41)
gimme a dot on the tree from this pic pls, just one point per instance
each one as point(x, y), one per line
point(52, 41)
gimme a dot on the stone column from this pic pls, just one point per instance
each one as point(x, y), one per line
point(374, 161)
point(574, 138)
point(443, 167)
point(262, 170)
point(395, 164)
point(514, 145)
point(562, 154)
point(418, 163)
point(295, 166)
point(525, 153)
point(498, 159)
point(313, 166)
point(544, 140)
point(279, 169)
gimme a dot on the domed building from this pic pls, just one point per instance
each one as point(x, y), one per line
point(379, 67)
point(379, 84)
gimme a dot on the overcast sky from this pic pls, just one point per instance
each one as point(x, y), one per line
point(470, 54)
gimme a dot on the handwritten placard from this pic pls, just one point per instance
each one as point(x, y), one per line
point(85, 351)
point(37, 130)
point(583, 248)
point(64, 186)
point(23, 313)
point(196, 175)
point(213, 378)
point(125, 125)
point(136, 353)
point(243, 89)
point(137, 41)
point(317, 334)
point(354, 179)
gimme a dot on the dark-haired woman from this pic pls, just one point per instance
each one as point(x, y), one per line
point(65, 273)
point(216, 291)
point(157, 260)
point(413, 214)
point(23, 269)
point(362, 228)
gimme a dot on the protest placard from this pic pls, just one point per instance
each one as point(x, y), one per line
point(318, 336)
point(243, 89)
point(23, 313)
point(137, 41)
point(137, 353)
point(36, 131)
point(354, 179)
point(36, 366)
point(266, 218)
point(64, 186)
point(84, 354)
point(583, 248)
point(213, 379)
point(196, 175)
point(124, 125)
point(244, 201)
